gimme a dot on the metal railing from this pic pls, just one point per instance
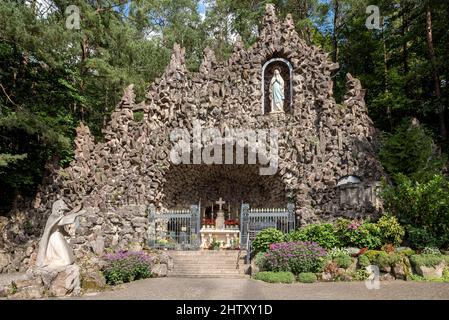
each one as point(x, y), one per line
point(174, 229)
point(255, 220)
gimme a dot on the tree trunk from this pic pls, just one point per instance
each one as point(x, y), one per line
point(335, 31)
point(435, 75)
point(404, 32)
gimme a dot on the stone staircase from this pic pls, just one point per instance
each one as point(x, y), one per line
point(208, 264)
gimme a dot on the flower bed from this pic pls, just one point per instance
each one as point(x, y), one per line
point(354, 247)
point(126, 266)
point(295, 257)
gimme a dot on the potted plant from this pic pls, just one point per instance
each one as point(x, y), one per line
point(215, 245)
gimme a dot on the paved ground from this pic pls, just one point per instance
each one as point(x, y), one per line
point(238, 289)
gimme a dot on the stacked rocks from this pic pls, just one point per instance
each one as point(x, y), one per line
point(319, 142)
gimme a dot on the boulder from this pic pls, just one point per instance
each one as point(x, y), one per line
point(165, 258)
point(92, 280)
point(386, 277)
point(159, 270)
point(430, 272)
point(327, 277)
point(401, 269)
point(4, 260)
point(66, 282)
point(29, 292)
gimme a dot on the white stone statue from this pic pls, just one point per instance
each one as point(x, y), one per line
point(54, 251)
point(277, 92)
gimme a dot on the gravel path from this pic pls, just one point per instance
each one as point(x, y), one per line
point(199, 289)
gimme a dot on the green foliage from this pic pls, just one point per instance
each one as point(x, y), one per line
point(323, 234)
point(423, 208)
point(265, 238)
point(138, 116)
point(260, 261)
point(410, 151)
point(430, 250)
point(343, 261)
point(296, 235)
point(307, 277)
point(360, 275)
point(335, 252)
point(390, 230)
point(363, 261)
point(426, 260)
point(357, 234)
point(275, 277)
point(407, 252)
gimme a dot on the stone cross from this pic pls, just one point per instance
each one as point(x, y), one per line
point(220, 203)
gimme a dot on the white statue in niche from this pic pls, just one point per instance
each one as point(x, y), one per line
point(277, 92)
point(54, 251)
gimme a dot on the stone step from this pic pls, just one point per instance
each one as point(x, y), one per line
point(206, 252)
point(222, 272)
point(227, 276)
point(208, 260)
point(208, 263)
point(193, 269)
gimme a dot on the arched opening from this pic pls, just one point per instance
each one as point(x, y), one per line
point(203, 185)
point(286, 72)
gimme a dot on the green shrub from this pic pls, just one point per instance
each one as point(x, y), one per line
point(372, 254)
point(430, 250)
point(358, 234)
point(343, 261)
point(422, 207)
point(390, 230)
point(426, 260)
point(296, 236)
point(360, 275)
point(323, 234)
point(406, 252)
point(335, 252)
point(410, 150)
point(275, 277)
point(307, 277)
point(260, 261)
point(382, 260)
point(265, 238)
point(363, 261)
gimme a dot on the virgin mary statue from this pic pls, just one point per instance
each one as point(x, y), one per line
point(277, 92)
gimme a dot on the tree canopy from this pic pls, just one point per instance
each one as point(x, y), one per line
point(52, 77)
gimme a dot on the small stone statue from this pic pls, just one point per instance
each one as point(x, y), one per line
point(277, 92)
point(54, 251)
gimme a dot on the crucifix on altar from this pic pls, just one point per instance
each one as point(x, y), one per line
point(219, 222)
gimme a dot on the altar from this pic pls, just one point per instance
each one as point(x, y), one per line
point(220, 233)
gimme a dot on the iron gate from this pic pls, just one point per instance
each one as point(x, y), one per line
point(174, 229)
point(254, 220)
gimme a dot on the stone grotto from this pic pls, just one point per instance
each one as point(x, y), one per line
point(327, 151)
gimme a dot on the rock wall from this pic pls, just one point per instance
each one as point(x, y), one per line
point(320, 142)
